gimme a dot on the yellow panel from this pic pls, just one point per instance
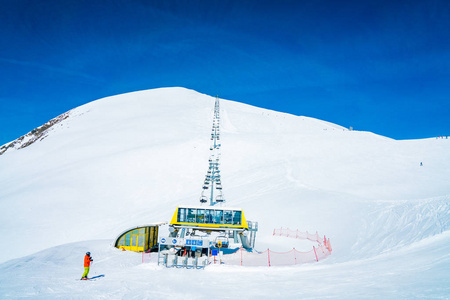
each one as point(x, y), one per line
point(131, 248)
point(174, 218)
point(134, 237)
point(244, 220)
point(147, 234)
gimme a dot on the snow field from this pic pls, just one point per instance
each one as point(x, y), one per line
point(131, 159)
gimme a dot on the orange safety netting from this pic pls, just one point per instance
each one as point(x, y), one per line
point(303, 235)
point(293, 257)
point(271, 258)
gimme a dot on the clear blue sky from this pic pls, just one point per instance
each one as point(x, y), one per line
point(380, 66)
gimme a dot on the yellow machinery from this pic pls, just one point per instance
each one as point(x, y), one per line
point(139, 239)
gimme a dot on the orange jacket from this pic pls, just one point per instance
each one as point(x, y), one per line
point(87, 261)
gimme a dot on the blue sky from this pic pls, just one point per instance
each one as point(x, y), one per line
point(380, 66)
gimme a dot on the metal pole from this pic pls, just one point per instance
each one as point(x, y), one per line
point(159, 250)
point(212, 187)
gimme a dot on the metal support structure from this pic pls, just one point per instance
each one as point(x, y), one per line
point(212, 178)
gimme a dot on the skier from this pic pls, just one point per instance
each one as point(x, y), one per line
point(87, 263)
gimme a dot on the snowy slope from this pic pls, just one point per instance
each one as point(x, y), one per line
point(131, 159)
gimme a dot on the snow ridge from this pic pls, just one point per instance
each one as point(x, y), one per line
point(36, 134)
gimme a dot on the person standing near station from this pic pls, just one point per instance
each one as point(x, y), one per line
point(87, 264)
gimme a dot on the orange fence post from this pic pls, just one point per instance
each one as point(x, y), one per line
point(315, 253)
point(295, 257)
point(268, 255)
point(241, 256)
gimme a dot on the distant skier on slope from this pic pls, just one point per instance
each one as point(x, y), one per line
point(87, 264)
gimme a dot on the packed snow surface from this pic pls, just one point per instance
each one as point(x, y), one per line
point(129, 160)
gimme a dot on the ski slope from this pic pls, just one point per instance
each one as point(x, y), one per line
point(131, 159)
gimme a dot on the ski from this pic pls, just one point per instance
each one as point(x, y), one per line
point(94, 278)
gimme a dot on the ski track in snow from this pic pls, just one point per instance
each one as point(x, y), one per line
point(131, 159)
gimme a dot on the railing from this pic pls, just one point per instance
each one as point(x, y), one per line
point(271, 258)
point(175, 261)
point(304, 236)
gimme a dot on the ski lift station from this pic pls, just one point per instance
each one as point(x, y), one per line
point(197, 232)
point(226, 223)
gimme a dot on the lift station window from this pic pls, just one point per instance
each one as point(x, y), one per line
point(218, 218)
point(181, 215)
point(128, 239)
point(191, 215)
point(209, 216)
point(236, 217)
point(200, 216)
point(228, 217)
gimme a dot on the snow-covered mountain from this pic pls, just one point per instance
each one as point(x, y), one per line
point(131, 159)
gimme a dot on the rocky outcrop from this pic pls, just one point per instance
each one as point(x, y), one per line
point(34, 135)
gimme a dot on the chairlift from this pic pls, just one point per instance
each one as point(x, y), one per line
point(224, 242)
point(205, 187)
point(203, 199)
point(219, 198)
